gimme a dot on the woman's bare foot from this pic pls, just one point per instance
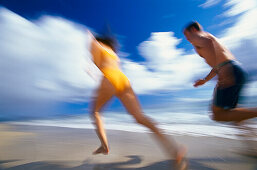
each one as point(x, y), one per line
point(101, 150)
point(181, 161)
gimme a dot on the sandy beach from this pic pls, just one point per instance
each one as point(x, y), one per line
point(55, 148)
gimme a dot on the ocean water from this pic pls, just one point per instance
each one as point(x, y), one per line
point(178, 123)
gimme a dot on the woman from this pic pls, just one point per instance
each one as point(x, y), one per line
point(115, 83)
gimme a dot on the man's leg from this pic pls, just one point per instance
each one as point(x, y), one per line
point(235, 114)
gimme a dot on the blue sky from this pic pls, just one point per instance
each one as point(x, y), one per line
point(134, 21)
point(45, 50)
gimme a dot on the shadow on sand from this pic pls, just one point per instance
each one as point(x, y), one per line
point(194, 164)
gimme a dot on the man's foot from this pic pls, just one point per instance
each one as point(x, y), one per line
point(181, 161)
point(101, 150)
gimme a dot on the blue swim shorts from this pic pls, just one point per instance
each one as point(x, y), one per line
point(227, 97)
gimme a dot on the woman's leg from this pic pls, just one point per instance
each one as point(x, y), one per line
point(130, 102)
point(104, 94)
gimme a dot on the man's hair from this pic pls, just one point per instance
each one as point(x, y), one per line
point(109, 41)
point(193, 24)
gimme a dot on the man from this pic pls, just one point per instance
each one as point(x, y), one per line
point(231, 77)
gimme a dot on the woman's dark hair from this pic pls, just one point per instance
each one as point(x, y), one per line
point(109, 41)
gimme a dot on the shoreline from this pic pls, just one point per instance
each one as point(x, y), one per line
point(195, 130)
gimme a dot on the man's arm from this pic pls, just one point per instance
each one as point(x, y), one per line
point(205, 42)
point(210, 75)
point(207, 78)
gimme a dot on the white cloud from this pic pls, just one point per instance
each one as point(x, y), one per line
point(238, 6)
point(241, 38)
point(159, 49)
point(209, 3)
point(166, 67)
point(43, 61)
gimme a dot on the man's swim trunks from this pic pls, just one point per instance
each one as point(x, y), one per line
point(231, 78)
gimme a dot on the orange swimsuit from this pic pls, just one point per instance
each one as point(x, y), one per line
point(114, 75)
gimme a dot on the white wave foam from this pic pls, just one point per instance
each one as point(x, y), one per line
point(171, 123)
